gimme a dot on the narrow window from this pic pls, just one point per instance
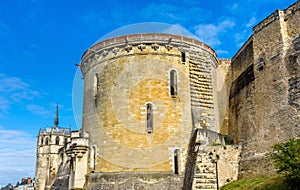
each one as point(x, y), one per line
point(62, 157)
point(94, 157)
point(42, 141)
point(96, 86)
point(173, 83)
point(149, 118)
point(57, 141)
point(47, 141)
point(176, 161)
point(183, 57)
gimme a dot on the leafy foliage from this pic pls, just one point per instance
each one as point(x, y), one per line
point(286, 157)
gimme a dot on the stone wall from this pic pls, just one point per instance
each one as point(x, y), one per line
point(216, 163)
point(227, 158)
point(240, 98)
point(127, 84)
point(137, 181)
point(264, 94)
point(223, 79)
point(202, 91)
point(292, 59)
point(125, 74)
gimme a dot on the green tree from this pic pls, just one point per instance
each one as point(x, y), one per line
point(286, 157)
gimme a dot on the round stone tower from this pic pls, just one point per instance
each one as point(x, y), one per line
point(143, 95)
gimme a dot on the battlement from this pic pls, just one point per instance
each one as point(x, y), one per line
point(271, 18)
point(293, 8)
point(150, 37)
point(276, 15)
point(250, 39)
point(224, 61)
point(48, 130)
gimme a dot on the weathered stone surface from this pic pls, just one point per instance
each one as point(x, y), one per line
point(217, 161)
point(118, 88)
point(138, 181)
point(264, 104)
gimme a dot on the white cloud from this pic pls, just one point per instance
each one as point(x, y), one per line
point(13, 91)
point(37, 109)
point(10, 84)
point(241, 37)
point(224, 25)
point(251, 22)
point(17, 150)
point(4, 106)
point(174, 14)
point(222, 52)
point(210, 33)
point(24, 95)
point(233, 6)
point(179, 30)
point(95, 20)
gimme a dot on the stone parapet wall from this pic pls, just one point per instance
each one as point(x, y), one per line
point(138, 180)
point(134, 38)
point(209, 137)
point(264, 23)
point(223, 79)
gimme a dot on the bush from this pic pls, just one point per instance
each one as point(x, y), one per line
point(286, 157)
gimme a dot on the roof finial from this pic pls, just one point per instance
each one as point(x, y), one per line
point(56, 117)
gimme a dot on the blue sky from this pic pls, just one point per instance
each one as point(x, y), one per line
point(42, 40)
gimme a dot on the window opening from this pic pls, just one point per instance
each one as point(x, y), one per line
point(57, 141)
point(173, 83)
point(94, 157)
point(47, 141)
point(149, 118)
point(183, 57)
point(176, 161)
point(96, 86)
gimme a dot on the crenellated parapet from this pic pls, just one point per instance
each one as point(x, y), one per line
point(136, 44)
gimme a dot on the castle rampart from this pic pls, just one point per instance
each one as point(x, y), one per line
point(260, 110)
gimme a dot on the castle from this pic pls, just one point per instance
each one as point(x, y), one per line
point(162, 111)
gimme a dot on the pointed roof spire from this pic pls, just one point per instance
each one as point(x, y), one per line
point(56, 117)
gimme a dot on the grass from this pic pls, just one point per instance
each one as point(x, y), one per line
point(268, 183)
